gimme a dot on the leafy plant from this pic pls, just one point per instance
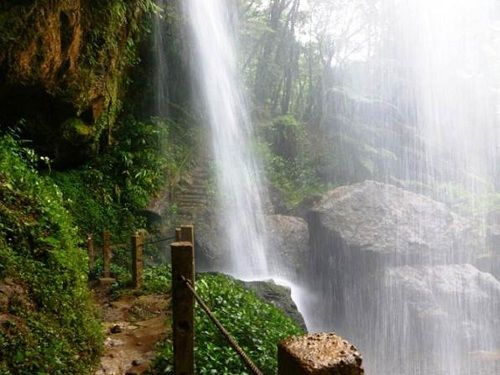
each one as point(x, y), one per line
point(289, 161)
point(51, 326)
point(256, 325)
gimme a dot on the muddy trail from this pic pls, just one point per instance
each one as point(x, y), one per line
point(133, 325)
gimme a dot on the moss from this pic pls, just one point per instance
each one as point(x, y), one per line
point(75, 131)
point(50, 325)
point(76, 52)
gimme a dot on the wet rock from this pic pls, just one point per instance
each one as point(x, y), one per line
point(376, 223)
point(289, 240)
point(279, 296)
point(210, 247)
point(115, 329)
point(137, 362)
point(319, 353)
point(489, 263)
point(426, 313)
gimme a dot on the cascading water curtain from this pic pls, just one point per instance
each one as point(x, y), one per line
point(214, 62)
point(436, 64)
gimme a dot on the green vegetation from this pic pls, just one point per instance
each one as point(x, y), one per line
point(48, 323)
point(243, 314)
point(289, 159)
point(75, 59)
point(111, 190)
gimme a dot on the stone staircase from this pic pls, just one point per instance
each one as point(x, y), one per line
point(192, 196)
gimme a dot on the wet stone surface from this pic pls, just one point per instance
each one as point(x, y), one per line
point(319, 353)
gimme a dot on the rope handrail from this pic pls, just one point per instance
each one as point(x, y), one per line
point(152, 242)
point(232, 342)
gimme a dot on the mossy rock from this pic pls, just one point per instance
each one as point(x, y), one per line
point(67, 59)
point(76, 131)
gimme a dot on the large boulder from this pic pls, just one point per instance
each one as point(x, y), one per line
point(426, 315)
point(278, 295)
point(288, 240)
point(211, 248)
point(389, 270)
point(287, 246)
point(378, 223)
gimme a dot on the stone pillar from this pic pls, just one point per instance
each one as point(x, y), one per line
point(318, 354)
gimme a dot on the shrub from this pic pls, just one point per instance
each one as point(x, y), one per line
point(257, 326)
point(51, 325)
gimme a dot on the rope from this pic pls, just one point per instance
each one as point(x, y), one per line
point(232, 342)
point(158, 241)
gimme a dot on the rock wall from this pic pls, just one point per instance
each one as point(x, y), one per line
point(389, 269)
point(63, 68)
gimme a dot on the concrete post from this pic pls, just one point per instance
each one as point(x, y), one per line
point(318, 354)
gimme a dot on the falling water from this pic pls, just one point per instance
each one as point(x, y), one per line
point(433, 65)
point(215, 66)
point(160, 74)
point(434, 72)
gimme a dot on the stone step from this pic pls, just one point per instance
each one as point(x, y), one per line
point(191, 197)
point(192, 204)
point(193, 189)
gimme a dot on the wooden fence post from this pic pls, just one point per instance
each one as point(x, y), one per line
point(317, 354)
point(183, 307)
point(177, 234)
point(106, 254)
point(187, 233)
point(90, 251)
point(137, 260)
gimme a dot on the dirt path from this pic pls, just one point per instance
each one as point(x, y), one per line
point(134, 325)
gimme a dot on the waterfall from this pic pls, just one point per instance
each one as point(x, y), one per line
point(426, 105)
point(215, 68)
point(431, 84)
point(160, 74)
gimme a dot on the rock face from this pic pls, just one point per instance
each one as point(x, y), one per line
point(289, 239)
point(380, 223)
point(427, 315)
point(389, 269)
point(279, 296)
point(288, 243)
point(63, 66)
point(210, 247)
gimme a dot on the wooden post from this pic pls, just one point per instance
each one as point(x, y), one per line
point(90, 251)
point(106, 254)
point(318, 354)
point(137, 260)
point(183, 308)
point(177, 234)
point(187, 233)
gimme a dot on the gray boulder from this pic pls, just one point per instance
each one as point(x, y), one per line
point(288, 243)
point(378, 223)
point(279, 296)
point(288, 239)
point(425, 314)
point(211, 249)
